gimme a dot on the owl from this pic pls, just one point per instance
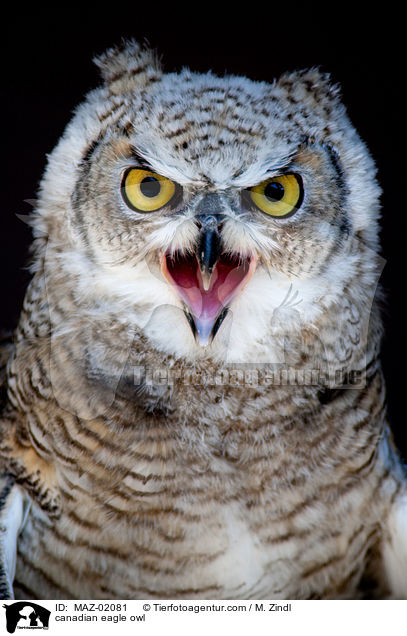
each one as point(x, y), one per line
point(193, 402)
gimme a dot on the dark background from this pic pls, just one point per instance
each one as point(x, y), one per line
point(47, 69)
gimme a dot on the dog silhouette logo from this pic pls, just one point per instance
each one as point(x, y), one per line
point(26, 615)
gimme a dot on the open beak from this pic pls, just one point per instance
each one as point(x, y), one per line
point(208, 280)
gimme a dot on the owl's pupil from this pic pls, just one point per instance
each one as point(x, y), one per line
point(274, 191)
point(150, 187)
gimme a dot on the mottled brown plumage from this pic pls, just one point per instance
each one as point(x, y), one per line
point(258, 465)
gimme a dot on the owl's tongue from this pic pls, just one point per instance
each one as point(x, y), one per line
point(229, 275)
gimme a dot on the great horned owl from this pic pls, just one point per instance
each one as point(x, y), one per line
point(195, 404)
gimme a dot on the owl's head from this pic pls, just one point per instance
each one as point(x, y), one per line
point(193, 206)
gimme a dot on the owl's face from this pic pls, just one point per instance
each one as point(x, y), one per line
point(193, 205)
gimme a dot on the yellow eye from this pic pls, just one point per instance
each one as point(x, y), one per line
point(278, 196)
point(146, 191)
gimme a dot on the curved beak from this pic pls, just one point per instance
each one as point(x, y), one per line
point(209, 246)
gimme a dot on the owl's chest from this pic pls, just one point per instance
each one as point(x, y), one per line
point(176, 538)
point(218, 557)
point(176, 545)
point(201, 512)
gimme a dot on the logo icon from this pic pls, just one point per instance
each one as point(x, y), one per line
point(26, 615)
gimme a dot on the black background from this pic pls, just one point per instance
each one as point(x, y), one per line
point(47, 69)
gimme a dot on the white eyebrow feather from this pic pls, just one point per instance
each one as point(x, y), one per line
point(261, 170)
point(267, 165)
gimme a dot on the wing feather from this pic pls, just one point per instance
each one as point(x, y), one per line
point(14, 508)
point(395, 549)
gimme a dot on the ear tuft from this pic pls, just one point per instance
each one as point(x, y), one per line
point(311, 84)
point(128, 66)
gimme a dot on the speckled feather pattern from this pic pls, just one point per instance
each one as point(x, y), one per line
point(193, 488)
